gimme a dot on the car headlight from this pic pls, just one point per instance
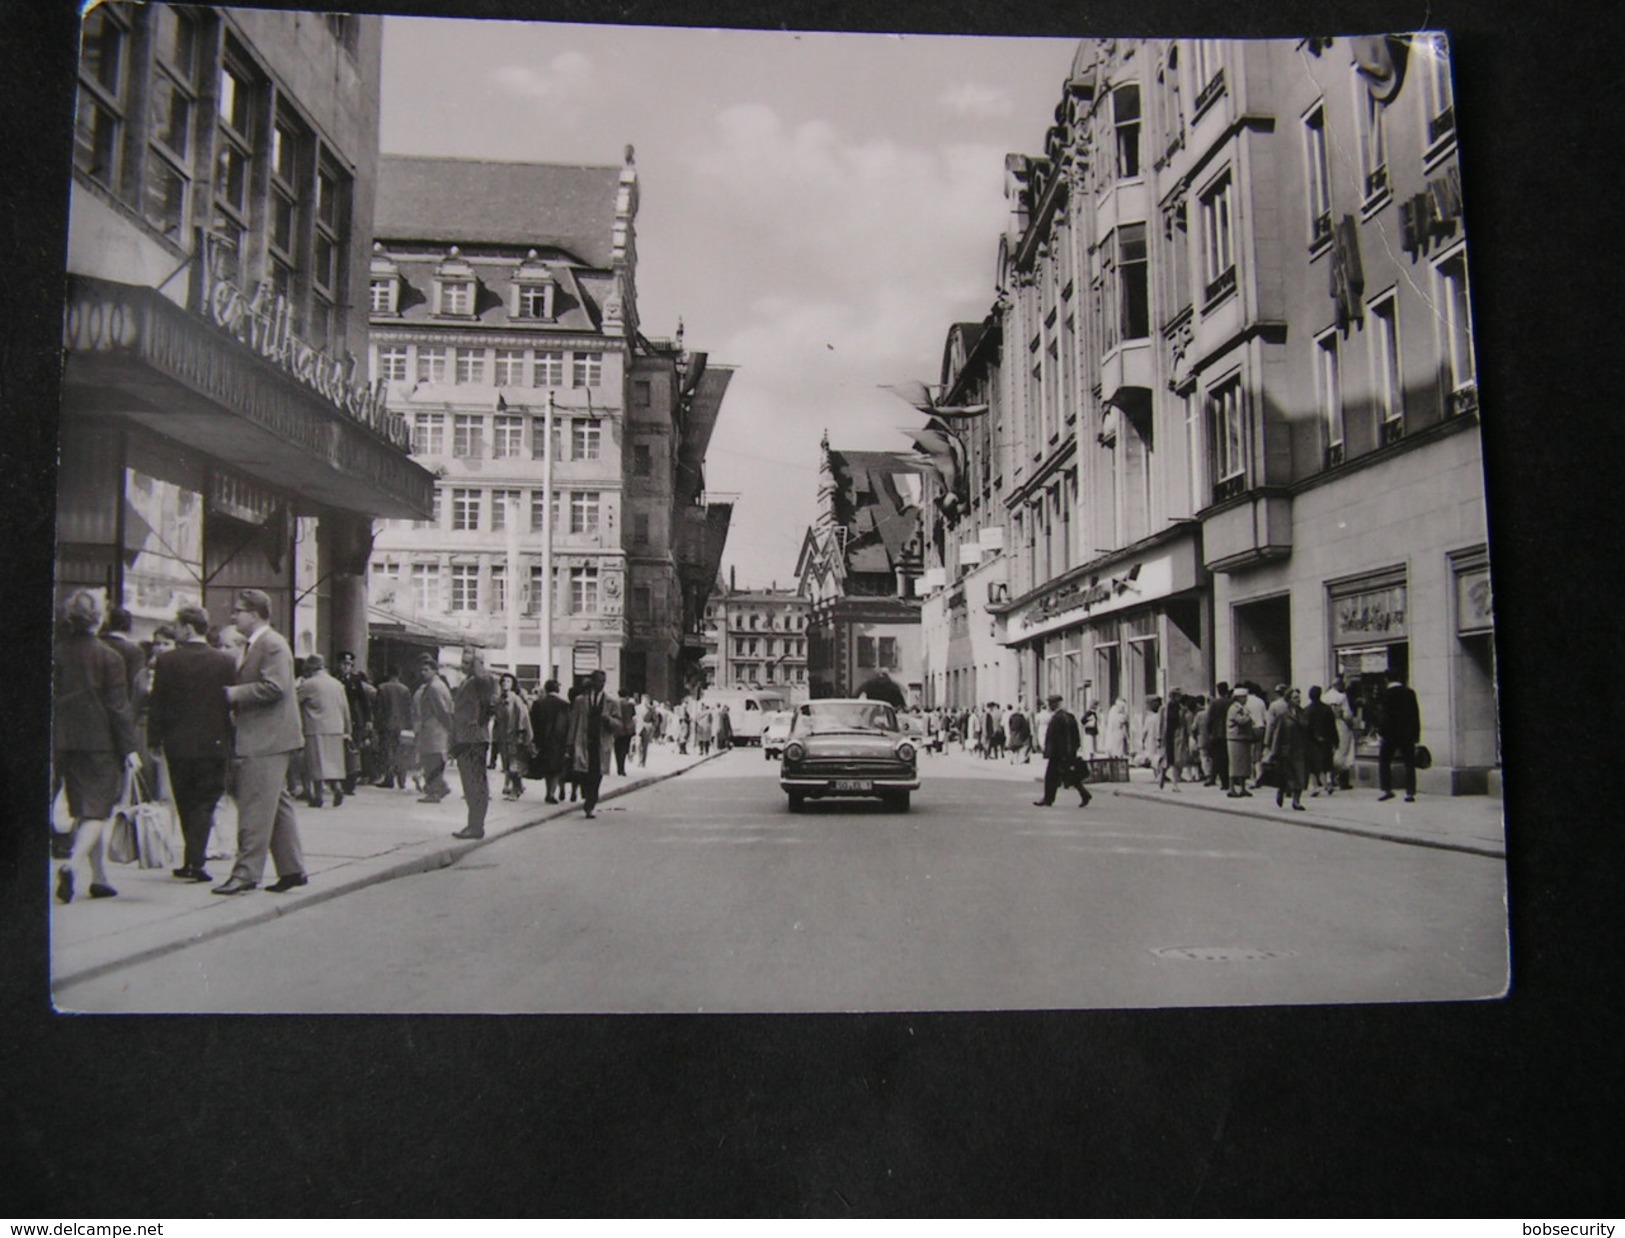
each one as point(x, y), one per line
point(905, 751)
point(794, 751)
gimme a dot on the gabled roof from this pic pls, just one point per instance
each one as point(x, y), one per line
point(474, 202)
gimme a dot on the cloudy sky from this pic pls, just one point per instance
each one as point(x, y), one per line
point(817, 208)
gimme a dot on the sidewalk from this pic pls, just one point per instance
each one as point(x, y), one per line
point(1470, 823)
point(377, 835)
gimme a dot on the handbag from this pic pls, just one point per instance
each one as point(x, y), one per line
point(157, 835)
point(1424, 758)
point(121, 841)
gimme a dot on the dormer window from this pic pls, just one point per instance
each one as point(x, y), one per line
point(454, 286)
point(533, 290)
point(384, 286)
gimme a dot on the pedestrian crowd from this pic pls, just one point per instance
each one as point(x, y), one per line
point(203, 711)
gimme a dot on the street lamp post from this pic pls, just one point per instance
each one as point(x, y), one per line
point(547, 541)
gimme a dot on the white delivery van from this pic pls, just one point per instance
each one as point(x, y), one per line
point(748, 709)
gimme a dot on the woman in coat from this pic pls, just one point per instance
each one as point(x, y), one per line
point(1343, 753)
point(93, 741)
point(1238, 743)
point(1289, 751)
point(511, 736)
point(549, 729)
point(324, 709)
point(1322, 724)
point(1173, 739)
point(702, 731)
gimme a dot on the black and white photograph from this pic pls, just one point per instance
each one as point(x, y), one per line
point(765, 522)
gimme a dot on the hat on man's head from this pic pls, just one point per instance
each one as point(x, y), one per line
point(1240, 690)
point(430, 661)
point(314, 662)
point(1054, 698)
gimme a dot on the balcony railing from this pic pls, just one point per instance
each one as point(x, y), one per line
point(1393, 429)
point(1322, 230)
point(1464, 400)
point(1335, 455)
point(1222, 286)
point(1376, 182)
point(1442, 124)
point(1229, 487)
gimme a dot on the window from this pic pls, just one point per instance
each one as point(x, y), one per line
point(509, 440)
point(289, 141)
point(1455, 321)
point(171, 106)
point(1126, 120)
point(584, 511)
point(1227, 419)
point(584, 589)
point(428, 434)
point(1433, 51)
point(432, 365)
point(1218, 254)
point(1388, 384)
point(328, 251)
point(1194, 455)
point(1133, 291)
point(537, 594)
point(886, 651)
point(586, 435)
point(640, 528)
point(549, 369)
point(500, 499)
point(587, 370)
point(534, 301)
point(465, 511)
point(1373, 144)
point(642, 460)
point(1320, 176)
point(467, 429)
point(1208, 71)
point(538, 512)
point(538, 439)
point(381, 295)
point(641, 393)
point(499, 588)
point(426, 586)
point(1329, 390)
point(457, 297)
point(465, 586)
point(510, 367)
point(391, 363)
point(234, 147)
point(98, 142)
point(471, 365)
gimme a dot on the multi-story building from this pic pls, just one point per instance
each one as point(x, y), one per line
point(859, 569)
point(217, 430)
point(503, 298)
point(759, 637)
point(1243, 435)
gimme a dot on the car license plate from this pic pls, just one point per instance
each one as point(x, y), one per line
point(854, 784)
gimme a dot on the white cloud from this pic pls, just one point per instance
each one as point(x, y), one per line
point(568, 76)
point(976, 101)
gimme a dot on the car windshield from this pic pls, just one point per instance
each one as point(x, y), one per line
point(821, 717)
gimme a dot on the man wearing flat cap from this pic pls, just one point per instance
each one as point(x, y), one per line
point(265, 709)
point(1062, 740)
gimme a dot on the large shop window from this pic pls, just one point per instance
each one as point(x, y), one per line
point(163, 546)
point(1370, 643)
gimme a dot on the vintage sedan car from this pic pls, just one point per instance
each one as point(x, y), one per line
point(775, 730)
point(848, 748)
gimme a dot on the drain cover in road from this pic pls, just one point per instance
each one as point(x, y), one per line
point(1220, 954)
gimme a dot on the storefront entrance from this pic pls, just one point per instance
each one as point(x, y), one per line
point(1264, 642)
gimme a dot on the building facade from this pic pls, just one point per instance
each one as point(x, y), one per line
point(759, 637)
point(218, 430)
point(859, 571)
point(1240, 412)
point(503, 300)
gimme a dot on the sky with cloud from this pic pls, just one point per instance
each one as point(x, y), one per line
point(818, 209)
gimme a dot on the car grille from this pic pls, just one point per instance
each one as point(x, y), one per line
point(850, 767)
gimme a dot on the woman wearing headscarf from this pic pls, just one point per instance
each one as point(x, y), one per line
point(1289, 741)
point(93, 740)
point(1238, 742)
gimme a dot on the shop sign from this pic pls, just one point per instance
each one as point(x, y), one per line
point(263, 321)
point(586, 658)
point(1475, 605)
point(1372, 615)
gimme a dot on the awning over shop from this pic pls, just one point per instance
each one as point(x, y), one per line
point(134, 354)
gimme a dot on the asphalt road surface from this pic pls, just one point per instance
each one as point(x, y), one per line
point(703, 893)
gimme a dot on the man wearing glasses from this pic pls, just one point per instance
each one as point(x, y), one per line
point(268, 733)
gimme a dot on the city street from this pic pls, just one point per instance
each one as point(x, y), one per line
point(703, 893)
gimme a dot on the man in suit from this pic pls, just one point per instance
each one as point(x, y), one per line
point(431, 720)
point(472, 707)
point(265, 710)
point(190, 721)
point(550, 732)
point(394, 715)
point(595, 720)
point(361, 695)
point(1062, 740)
point(1399, 731)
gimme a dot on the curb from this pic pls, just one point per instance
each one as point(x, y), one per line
point(1331, 825)
point(443, 856)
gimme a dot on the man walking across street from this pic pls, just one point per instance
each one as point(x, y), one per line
point(473, 706)
point(266, 715)
point(190, 721)
point(1398, 731)
point(1062, 740)
point(595, 719)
